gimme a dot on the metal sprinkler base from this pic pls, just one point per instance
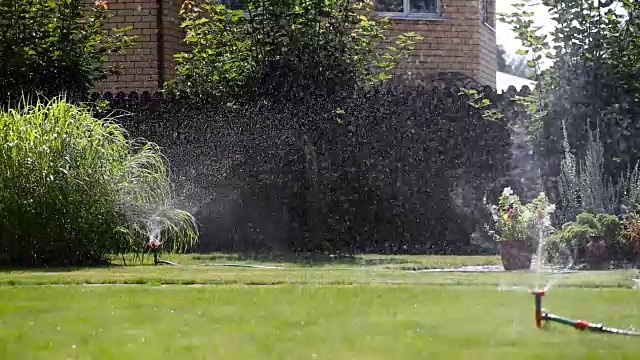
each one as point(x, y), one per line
point(541, 315)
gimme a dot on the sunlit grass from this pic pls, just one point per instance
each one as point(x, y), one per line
point(367, 307)
point(212, 269)
point(415, 262)
point(306, 322)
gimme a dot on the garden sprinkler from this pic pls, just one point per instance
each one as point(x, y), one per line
point(538, 294)
point(577, 324)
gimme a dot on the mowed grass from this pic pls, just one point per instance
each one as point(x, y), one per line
point(326, 312)
point(305, 322)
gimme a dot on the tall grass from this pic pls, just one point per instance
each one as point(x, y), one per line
point(75, 190)
point(568, 184)
point(584, 185)
point(631, 195)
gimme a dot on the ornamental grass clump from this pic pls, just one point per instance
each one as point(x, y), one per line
point(75, 191)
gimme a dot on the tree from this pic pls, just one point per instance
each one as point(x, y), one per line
point(503, 65)
point(53, 47)
point(591, 84)
point(273, 45)
point(516, 66)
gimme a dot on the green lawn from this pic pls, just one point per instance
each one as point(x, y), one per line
point(332, 311)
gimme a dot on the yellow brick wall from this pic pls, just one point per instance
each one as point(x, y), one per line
point(488, 49)
point(140, 65)
point(173, 36)
point(488, 56)
point(458, 41)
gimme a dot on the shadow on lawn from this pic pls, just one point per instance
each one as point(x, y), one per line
point(56, 268)
point(306, 260)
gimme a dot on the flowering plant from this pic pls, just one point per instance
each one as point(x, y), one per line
point(155, 245)
point(517, 221)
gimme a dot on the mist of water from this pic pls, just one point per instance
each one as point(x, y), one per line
point(527, 176)
point(539, 265)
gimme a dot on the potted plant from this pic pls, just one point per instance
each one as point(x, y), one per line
point(632, 232)
point(155, 246)
point(515, 228)
point(594, 238)
point(596, 255)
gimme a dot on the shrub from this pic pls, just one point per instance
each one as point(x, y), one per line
point(281, 46)
point(74, 189)
point(56, 46)
point(589, 230)
point(631, 247)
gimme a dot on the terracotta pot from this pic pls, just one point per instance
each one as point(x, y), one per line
point(515, 255)
point(597, 255)
point(597, 264)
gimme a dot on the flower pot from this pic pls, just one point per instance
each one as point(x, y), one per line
point(597, 255)
point(597, 264)
point(515, 255)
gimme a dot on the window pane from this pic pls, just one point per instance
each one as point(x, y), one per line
point(424, 6)
point(389, 6)
point(234, 4)
point(485, 10)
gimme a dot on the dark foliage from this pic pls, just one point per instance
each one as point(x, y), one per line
point(398, 169)
point(279, 48)
point(48, 48)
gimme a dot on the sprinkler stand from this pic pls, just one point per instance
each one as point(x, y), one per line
point(538, 294)
point(577, 324)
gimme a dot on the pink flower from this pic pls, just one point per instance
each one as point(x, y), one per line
point(102, 4)
point(154, 244)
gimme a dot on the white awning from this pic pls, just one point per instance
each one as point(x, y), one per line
point(504, 80)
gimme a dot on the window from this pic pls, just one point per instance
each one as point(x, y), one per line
point(234, 4)
point(487, 12)
point(408, 7)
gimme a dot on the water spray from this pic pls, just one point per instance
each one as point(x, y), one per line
point(541, 315)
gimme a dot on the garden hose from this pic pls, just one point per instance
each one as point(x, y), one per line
point(541, 315)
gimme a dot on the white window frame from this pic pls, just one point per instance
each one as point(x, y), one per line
point(407, 14)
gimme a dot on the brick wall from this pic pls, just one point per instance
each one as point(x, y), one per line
point(173, 36)
point(488, 56)
point(140, 63)
point(488, 48)
point(141, 68)
point(458, 41)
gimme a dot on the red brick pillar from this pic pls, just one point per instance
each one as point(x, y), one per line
point(146, 66)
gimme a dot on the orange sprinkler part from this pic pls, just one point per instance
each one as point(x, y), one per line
point(581, 324)
point(538, 298)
